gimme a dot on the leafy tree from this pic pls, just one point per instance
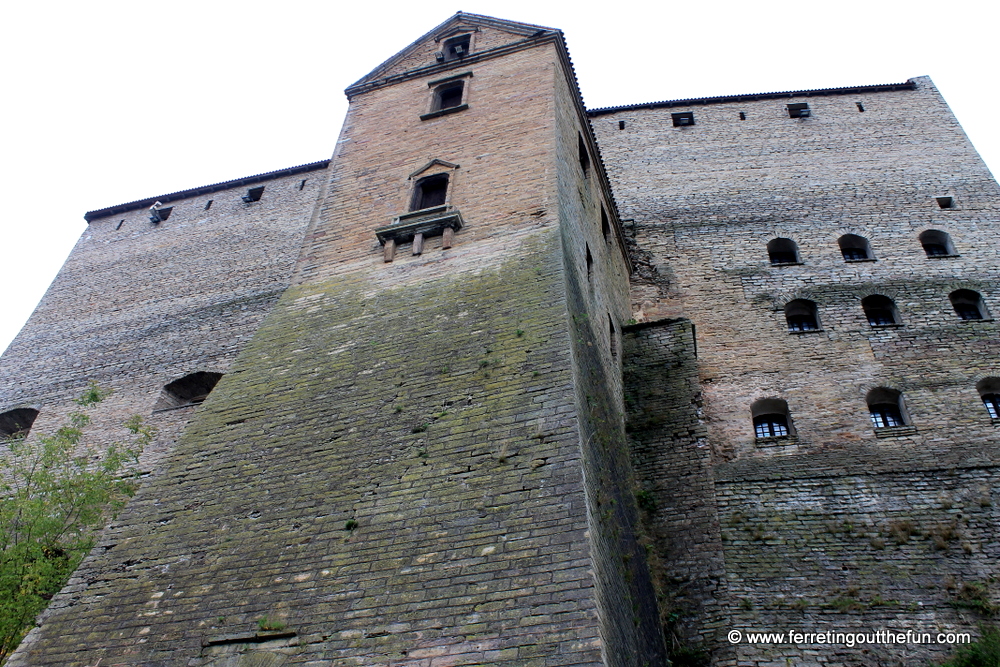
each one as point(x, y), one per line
point(56, 493)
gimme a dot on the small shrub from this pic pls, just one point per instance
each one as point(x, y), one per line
point(350, 525)
point(901, 531)
point(645, 501)
point(985, 652)
point(266, 624)
point(975, 596)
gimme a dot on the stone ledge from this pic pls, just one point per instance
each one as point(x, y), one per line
point(444, 112)
point(429, 222)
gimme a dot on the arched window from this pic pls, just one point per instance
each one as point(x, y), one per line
point(937, 243)
point(855, 248)
point(801, 315)
point(429, 192)
point(886, 408)
point(880, 310)
point(782, 251)
point(968, 304)
point(771, 419)
point(989, 391)
point(17, 422)
point(189, 390)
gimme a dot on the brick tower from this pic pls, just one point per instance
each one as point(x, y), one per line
point(419, 457)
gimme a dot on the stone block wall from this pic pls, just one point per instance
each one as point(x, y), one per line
point(139, 304)
point(704, 201)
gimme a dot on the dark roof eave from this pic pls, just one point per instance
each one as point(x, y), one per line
point(910, 84)
point(203, 190)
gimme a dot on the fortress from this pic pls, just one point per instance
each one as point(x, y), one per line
point(512, 382)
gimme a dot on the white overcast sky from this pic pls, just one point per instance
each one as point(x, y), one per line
point(107, 102)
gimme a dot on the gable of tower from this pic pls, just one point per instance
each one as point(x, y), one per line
point(463, 38)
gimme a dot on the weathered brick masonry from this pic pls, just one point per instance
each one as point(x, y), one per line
point(418, 461)
point(482, 420)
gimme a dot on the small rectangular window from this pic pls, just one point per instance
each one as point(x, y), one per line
point(456, 48)
point(584, 155)
point(430, 192)
point(945, 202)
point(683, 118)
point(798, 110)
point(253, 194)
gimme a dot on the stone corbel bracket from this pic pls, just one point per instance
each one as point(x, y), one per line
point(418, 225)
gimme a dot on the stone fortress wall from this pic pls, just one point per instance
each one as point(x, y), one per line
point(838, 524)
point(139, 304)
point(439, 450)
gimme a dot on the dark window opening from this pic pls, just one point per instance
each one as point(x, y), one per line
point(584, 155)
point(782, 251)
point(885, 407)
point(253, 194)
point(945, 202)
point(208, 204)
point(771, 418)
point(801, 315)
point(456, 48)
point(936, 243)
point(430, 192)
point(989, 391)
point(159, 213)
point(935, 250)
point(861, 107)
point(968, 304)
point(448, 96)
point(743, 116)
point(798, 110)
point(605, 225)
point(302, 185)
point(17, 422)
point(880, 310)
point(854, 248)
point(590, 264)
point(189, 390)
point(683, 118)
point(621, 125)
point(612, 337)
point(120, 223)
